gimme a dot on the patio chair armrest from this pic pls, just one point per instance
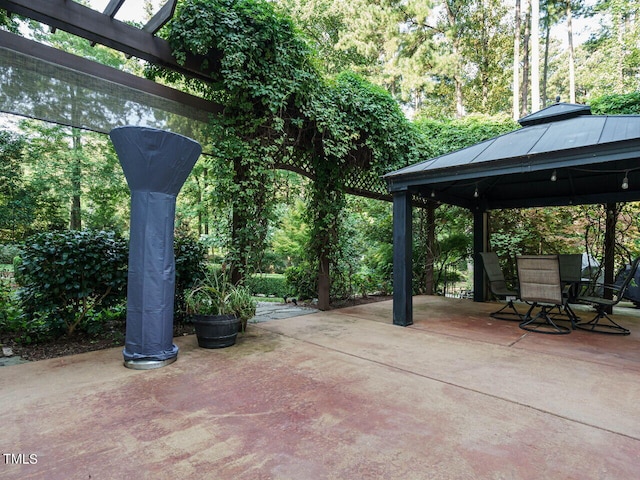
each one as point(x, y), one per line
point(590, 288)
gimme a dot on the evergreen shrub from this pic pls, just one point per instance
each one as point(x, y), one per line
point(70, 276)
point(267, 284)
point(302, 280)
point(190, 268)
point(8, 252)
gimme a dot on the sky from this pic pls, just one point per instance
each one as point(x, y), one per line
point(132, 10)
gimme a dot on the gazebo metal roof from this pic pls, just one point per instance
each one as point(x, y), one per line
point(563, 155)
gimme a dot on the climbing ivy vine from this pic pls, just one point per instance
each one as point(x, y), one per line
point(279, 108)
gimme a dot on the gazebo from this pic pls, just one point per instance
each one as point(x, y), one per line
point(563, 155)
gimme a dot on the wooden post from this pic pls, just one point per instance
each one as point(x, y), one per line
point(480, 243)
point(402, 253)
point(431, 241)
point(324, 283)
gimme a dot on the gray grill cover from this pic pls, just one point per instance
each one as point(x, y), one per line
point(156, 164)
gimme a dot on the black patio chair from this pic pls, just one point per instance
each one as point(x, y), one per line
point(540, 286)
point(571, 281)
point(602, 304)
point(499, 289)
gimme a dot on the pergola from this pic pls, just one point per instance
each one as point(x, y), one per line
point(563, 155)
point(34, 78)
point(49, 84)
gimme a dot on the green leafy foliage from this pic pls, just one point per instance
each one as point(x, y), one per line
point(250, 50)
point(8, 252)
point(214, 294)
point(17, 204)
point(71, 275)
point(616, 104)
point(302, 280)
point(445, 136)
point(267, 284)
point(9, 307)
point(9, 22)
point(190, 268)
point(278, 107)
point(260, 71)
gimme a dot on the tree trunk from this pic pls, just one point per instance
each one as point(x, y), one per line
point(431, 240)
point(460, 112)
point(620, 53)
point(75, 217)
point(485, 63)
point(545, 67)
point(535, 55)
point(572, 75)
point(204, 207)
point(324, 282)
point(238, 220)
point(516, 63)
point(524, 97)
point(609, 248)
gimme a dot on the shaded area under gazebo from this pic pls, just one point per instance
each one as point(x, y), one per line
point(563, 155)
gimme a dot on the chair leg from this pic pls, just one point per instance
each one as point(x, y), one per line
point(568, 313)
point(513, 316)
point(542, 322)
point(572, 316)
point(594, 325)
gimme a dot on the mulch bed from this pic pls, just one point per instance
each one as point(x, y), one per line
point(79, 342)
point(114, 336)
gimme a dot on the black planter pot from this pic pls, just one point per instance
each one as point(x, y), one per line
point(216, 331)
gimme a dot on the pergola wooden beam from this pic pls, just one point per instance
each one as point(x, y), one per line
point(161, 18)
point(99, 28)
point(113, 7)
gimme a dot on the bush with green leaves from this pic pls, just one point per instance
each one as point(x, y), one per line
point(8, 252)
point(302, 280)
point(616, 104)
point(68, 276)
point(190, 268)
point(267, 284)
point(17, 261)
point(9, 308)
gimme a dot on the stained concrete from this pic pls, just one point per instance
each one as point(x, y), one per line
point(338, 395)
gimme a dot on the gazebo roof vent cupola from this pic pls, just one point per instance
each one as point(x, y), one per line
point(554, 113)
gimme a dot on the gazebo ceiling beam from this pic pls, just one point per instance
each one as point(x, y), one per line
point(96, 27)
point(439, 197)
point(587, 199)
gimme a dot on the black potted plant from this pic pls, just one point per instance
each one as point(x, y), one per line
point(218, 310)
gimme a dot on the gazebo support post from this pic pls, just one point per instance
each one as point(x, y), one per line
point(480, 243)
point(402, 264)
point(430, 286)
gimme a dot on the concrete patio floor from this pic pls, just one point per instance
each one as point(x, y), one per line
point(338, 395)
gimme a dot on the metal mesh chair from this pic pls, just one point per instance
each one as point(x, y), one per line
point(498, 287)
point(602, 304)
point(539, 280)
